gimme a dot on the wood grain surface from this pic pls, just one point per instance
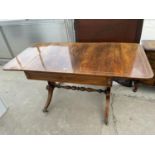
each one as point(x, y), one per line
point(127, 60)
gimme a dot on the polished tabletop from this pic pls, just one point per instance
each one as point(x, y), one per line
point(99, 59)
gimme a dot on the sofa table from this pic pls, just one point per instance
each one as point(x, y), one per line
point(82, 63)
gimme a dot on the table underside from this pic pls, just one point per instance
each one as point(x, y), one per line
point(55, 80)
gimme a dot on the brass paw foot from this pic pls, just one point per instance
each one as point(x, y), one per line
point(105, 121)
point(45, 110)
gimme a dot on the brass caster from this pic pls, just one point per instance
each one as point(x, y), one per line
point(106, 122)
point(45, 110)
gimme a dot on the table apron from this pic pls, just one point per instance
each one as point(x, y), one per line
point(69, 78)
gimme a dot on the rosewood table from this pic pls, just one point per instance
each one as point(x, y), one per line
point(82, 63)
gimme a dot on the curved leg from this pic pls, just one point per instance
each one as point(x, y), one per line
point(135, 86)
point(50, 88)
point(106, 111)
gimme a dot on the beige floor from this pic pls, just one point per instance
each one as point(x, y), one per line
point(73, 112)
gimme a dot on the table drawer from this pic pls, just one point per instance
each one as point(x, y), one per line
point(70, 78)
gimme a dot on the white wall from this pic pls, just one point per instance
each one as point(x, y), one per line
point(148, 32)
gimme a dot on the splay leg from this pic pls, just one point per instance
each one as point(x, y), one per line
point(50, 88)
point(106, 110)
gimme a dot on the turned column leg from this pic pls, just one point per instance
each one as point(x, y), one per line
point(106, 110)
point(50, 88)
point(135, 86)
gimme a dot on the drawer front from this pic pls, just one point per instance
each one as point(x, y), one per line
point(70, 78)
point(151, 57)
